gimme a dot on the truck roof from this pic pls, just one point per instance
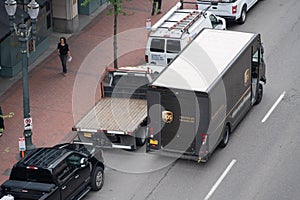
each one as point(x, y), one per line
point(203, 60)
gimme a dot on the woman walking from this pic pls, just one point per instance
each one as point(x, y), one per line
point(63, 52)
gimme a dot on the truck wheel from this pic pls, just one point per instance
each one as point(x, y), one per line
point(141, 136)
point(259, 94)
point(225, 138)
point(97, 178)
point(243, 17)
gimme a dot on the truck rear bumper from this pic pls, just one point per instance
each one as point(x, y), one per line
point(120, 141)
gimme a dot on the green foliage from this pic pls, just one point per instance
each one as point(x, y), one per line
point(85, 3)
point(117, 6)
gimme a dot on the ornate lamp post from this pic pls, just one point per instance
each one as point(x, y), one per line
point(24, 32)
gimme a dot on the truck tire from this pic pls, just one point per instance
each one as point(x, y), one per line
point(97, 178)
point(225, 137)
point(140, 137)
point(243, 16)
point(259, 94)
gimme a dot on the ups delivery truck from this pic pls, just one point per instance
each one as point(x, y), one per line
point(201, 96)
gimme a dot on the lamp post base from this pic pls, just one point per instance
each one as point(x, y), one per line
point(28, 140)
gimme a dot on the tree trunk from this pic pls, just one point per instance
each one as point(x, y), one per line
point(115, 36)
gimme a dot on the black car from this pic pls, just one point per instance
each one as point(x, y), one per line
point(65, 171)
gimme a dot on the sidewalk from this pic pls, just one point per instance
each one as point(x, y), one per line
point(57, 102)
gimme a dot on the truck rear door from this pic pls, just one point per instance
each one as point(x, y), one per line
point(178, 117)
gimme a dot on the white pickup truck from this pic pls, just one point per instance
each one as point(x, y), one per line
point(231, 10)
point(175, 30)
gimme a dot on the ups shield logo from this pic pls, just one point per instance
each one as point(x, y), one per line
point(246, 77)
point(167, 116)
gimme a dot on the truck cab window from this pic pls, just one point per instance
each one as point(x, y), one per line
point(63, 171)
point(255, 63)
point(214, 21)
point(73, 161)
point(108, 79)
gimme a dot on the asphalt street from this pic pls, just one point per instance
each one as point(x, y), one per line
point(261, 161)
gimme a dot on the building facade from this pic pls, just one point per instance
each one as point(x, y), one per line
point(54, 15)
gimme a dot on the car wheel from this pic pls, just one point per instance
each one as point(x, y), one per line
point(141, 136)
point(243, 16)
point(97, 178)
point(225, 138)
point(259, 94)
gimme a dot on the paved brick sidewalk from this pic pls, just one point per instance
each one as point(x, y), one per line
point(57, 101)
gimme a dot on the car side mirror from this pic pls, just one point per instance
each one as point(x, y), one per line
point(83, 162)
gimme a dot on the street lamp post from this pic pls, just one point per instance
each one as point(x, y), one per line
point(24, 32)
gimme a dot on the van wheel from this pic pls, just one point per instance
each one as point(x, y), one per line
point(259, 94)
point(141, 136)
point(243, 17)
point(97, 178)
point(225, 138)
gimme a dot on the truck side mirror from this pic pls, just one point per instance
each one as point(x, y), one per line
point(262, 49)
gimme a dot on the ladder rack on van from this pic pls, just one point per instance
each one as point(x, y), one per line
point(187, 21)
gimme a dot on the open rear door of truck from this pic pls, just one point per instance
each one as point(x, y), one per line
point(179, 130)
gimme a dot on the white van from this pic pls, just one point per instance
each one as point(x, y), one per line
point(174, 30)
point(231, 10)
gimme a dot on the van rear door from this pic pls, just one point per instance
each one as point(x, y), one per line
point(161, 50)
point(156, 51)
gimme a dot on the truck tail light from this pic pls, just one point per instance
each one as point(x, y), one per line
point(234, 9)
point(74, 129)
point(204, 138)
point(151, 131)
point(31, 168)
point(197, 7)
point(146, 58)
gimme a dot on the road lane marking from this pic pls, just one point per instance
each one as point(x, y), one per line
point(273, 107)
point(213, 189)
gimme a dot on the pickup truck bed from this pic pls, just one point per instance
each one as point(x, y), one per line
point(114, 114)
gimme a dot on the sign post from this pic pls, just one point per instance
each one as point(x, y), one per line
point(22, 146)
point(28, 123)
